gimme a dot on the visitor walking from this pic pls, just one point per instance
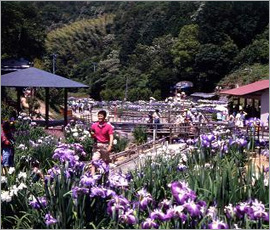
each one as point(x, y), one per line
point(156, 116)
point(102, 132)
point(240, 117)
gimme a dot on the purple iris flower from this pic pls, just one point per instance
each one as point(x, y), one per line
point(100, 191)
point(117, 203)
point(242, 142)
point(231, 142)
point(192, 208)
point(215, 145)
point(224, 148)
point(257, 211)
point(54, 171)
point(176, 211)
point(217, 224)
point(79, 149)
point(68, 173)
point(38, 203)
point(242, 209)
point(229, 211)
point(205, 143)
point(212, 212)
point(101, 166)
point(129, 176)
point(202, 205)
point(149, 223)
point(203, 137)
point(128, 217)
point(49, 220)
point(260, 214)
point(78, 191)
point(181, 167)
point(165, 204)
point(118, 180)
point(145, 198)
point(181, 192)
point(210, 137)
point(157, 214)
point(115, 208)
point(79, 165)
point(89, 180)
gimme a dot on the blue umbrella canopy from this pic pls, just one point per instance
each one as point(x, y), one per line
point(183, 84)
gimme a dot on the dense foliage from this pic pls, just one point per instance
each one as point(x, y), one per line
point(141, 47)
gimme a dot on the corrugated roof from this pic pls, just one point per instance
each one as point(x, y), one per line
point(33, 77)
point(248, 89)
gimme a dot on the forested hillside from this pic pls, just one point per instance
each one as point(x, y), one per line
point(146, 46)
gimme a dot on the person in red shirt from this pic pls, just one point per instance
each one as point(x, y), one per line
point(7, 147)
point(102, 132)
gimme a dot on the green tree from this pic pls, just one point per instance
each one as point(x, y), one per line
point(22, 33)
point(213, 62)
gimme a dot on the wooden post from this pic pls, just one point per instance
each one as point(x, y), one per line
point(47, 107)
point(253, 107)
point(65, 106)
point(170, 140)
point(238, 102)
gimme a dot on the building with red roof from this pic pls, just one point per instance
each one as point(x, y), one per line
point(258, 90)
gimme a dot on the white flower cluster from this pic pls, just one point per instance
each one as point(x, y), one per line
point(6, 196)
point(78, 131)
point(47, 140)
point(24, 117)
point(22, 147)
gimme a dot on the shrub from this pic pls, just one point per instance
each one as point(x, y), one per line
point(140, 135)
point(121, 144)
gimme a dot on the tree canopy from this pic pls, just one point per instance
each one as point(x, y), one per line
point(144, 47)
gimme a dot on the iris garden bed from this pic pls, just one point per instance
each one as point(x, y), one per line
point(213, 184)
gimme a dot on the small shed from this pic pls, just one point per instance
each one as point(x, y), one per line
point(258, 90)
point(33, 77)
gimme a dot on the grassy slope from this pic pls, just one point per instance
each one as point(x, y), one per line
point(246, 75)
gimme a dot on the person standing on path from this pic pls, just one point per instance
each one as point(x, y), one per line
point(102, 132)
point(7, 147)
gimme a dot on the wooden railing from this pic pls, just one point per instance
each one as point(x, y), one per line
point(136, 150)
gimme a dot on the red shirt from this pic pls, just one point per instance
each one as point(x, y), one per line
point(102, 132)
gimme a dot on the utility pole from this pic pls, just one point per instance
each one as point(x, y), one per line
point(54, 61)
point(95, 65)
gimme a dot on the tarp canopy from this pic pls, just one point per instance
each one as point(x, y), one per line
point(203, 95)
point(33, 77)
